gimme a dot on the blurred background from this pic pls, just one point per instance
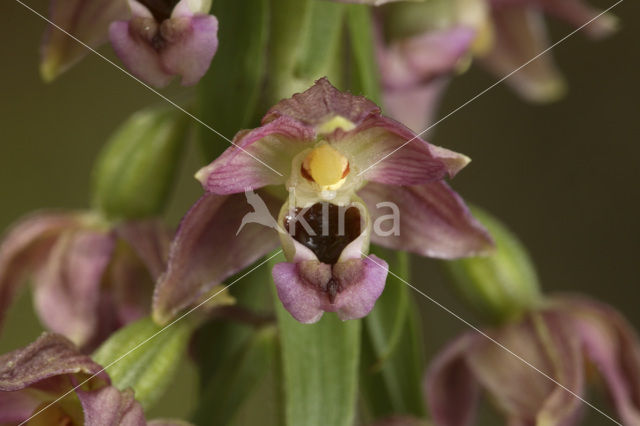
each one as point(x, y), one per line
point(565, 177)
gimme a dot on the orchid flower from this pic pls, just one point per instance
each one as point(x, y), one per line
point(423, 43)
point(155, 39)
point(89, 278)
point(335, 154)
point(558, 340)
point(33, 378)
point(165, 38)
point(87, 20)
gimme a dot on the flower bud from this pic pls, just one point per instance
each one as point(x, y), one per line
point(502, 284)
point(136, 168)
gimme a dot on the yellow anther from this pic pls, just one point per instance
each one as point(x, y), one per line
point(337, 122)
point(326, 166)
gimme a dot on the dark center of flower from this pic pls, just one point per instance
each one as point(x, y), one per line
point(329, 229)
point(160, 9)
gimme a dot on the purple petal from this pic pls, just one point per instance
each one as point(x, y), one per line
point(87, 20)
point(575, 12)
point(386, 151)
point(137, 55)
point(109, 406)
point(26, 247)
point(206, 250)
point(450, 388)
point(275, 144)
point(433, 221)
point(150, 240)
point(17, 406)
point(190, 56)
point(545, 341)
point(418, 60)
point(611, 343)
point(322, 102)
point(520, 35)
point(68, 289)
point(415, 106)
point(302, 289)
point(49, 356)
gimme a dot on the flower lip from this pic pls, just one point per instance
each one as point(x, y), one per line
point(325, 229)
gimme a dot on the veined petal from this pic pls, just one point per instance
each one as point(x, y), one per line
point(321, 103)
point(191, 54)
point(275, 144)
point(547, 342)
point(73, 273)
point(17, 406)
point(25, 248)
point(433, 220)
point(109, 406)
point(138, 55)
point(612, 345)
point(212, 243)
point(50, 355)
point(386, 151)
point(451, 391)
point(302, 287)
point(520, 35)
point(150, 240)
point(88, 20)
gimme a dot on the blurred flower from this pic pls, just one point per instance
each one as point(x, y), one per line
point(324, 141)
point(33, 377)
point(87, 20)
point(89, 278)
point(164, 39)
point(559, 340)
point(421, 44)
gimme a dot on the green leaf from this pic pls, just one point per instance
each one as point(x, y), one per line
point(305, 44)
point(136, 169)
point(236, 379)
point(320, 369)
point(321, 40)
point(145, 358)
point(366, 77)
point(392, 358)
point(229, 93)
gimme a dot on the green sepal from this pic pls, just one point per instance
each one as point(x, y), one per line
point(229, 92)
point(136, 169)
point(392, 352)
point(144, 356)
point(501, 285)
point(319, 367)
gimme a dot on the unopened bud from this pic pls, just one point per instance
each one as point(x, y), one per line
point(502, 284)
point(136, 169)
